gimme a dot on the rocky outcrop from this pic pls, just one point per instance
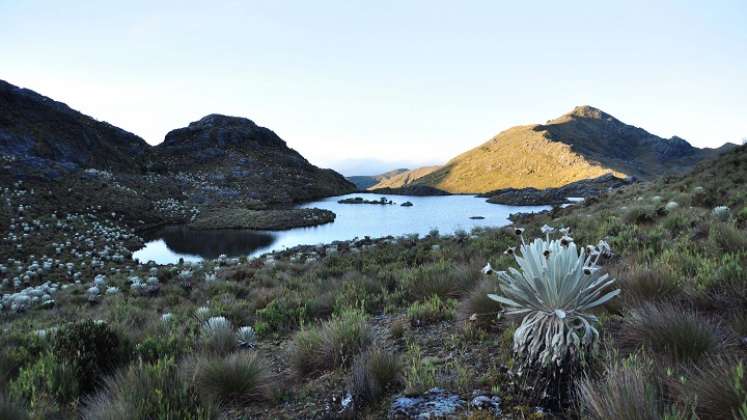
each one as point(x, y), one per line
point(549, 196)
point(41, 136)
point(254, 160)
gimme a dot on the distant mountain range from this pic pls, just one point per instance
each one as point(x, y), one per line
point(364, 182)
point(582, 144)
point(46, 138)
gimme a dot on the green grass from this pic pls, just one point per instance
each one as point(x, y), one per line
point(330, 345)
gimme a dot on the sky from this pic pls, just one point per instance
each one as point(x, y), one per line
point(367, 86)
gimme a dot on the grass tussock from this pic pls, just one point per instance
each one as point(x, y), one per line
point(144, 391)
point(233, 380)
point(624, 392)
point(443, 280)
point(374, 373)
point(676, 333)
point(332, 344)
point(647, 284)
point(718, 388)
point(430, 311)
point(477, 309)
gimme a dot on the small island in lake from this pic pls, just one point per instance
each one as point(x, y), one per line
point(360, 200)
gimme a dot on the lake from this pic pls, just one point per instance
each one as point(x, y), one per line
point(445, 213)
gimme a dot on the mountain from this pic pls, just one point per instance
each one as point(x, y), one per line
point(363, 182)
point(44, 136)
point(584, 143)
point(256, 162)
point(215, 158)
point(404, 178)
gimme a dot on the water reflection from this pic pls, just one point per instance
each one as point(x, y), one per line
point(447, 214)
point(196, 244)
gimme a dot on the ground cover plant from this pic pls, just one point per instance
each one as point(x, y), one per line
point(345, 329)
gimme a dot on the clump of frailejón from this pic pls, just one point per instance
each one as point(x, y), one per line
point(555, 288)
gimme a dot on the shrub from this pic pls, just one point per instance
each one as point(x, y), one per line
point(282, 314)
point(639, 216)
point(10, 410)
point(443, 280)
point(430, 311)
point(92, 349)
point(159, 346)
point(726, 278)
point(676, 333)
point(235, 379)
point(623, 392)
point(17, 350)
point(725, 237)
point(374, 372)
point(742, 215)
point(479, 310)
point(556, 288)
point(47, 382)
point(719, 389)
point(330, 345)
point(145, 391)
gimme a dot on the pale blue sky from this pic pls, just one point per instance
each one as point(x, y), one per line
point(406, 82)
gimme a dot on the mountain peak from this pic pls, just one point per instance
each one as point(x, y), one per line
point(220, 120)
point(587, 111)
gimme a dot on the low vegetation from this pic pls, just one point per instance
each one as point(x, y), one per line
point(344, 329)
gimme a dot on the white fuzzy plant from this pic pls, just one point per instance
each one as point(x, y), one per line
point(556, 287)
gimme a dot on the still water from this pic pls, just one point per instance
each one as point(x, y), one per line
point(446, 213)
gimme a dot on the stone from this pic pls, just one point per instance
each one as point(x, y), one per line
point(435, 403)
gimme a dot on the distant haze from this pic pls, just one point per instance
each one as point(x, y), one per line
point(351, 167)
point(404, 83)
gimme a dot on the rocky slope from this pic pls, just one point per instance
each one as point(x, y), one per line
point(363, 182)
point(586, 188)
point(584, 143)
point(213, 160)
point(47, 137)
point(404, 178)
point(252, 160)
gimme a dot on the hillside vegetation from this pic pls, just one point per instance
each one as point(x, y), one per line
point(367, 328)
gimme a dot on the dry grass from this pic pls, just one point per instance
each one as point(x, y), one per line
point(374, 372)
point(678, 334)
point(236, 379)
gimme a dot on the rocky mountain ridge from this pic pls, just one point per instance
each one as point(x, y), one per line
point(227, 157)
point(48, 137)
point(585, 143)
